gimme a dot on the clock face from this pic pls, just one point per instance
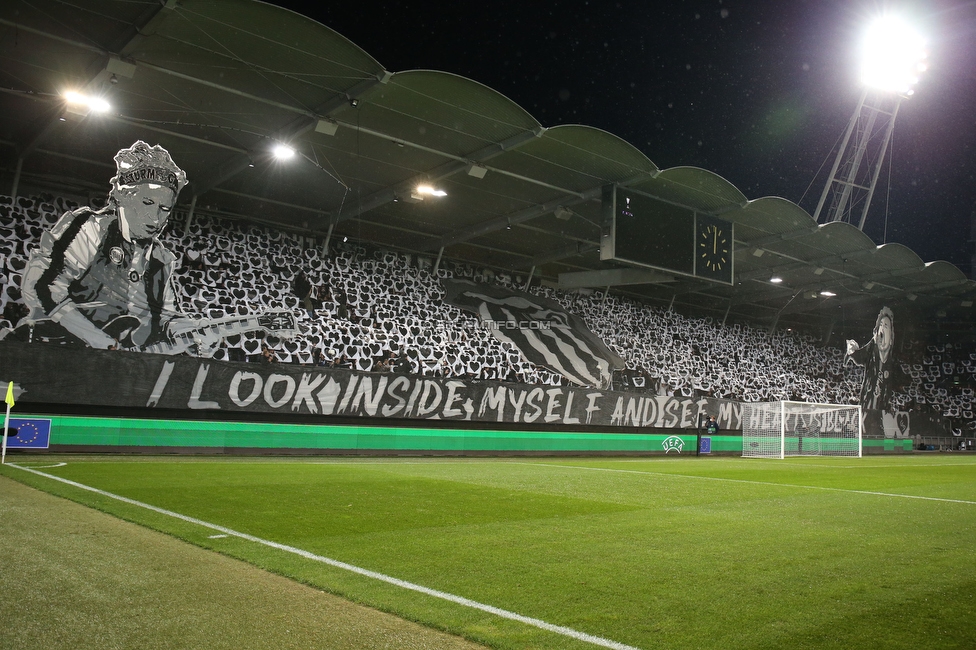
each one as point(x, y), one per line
point(713, 249)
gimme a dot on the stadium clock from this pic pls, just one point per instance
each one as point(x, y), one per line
point(713, 249)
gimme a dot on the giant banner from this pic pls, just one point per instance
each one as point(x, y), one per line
point(540, 329)
point(71, 375)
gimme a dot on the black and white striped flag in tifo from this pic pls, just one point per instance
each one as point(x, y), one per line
point(540, 328)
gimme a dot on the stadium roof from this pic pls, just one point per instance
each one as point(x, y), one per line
point(219, 82)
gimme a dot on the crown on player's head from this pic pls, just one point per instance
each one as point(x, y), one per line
point(142, 163)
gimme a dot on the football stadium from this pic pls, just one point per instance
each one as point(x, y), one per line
point(299, 351)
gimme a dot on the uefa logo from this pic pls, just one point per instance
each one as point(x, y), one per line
point(673, 443)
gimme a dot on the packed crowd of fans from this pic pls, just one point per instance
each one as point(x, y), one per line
point(376, 310)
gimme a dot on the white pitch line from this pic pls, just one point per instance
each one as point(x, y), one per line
point(47, 466)
point(460, 600)
point(766, 483)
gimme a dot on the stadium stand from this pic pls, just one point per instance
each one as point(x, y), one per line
point(380, 310)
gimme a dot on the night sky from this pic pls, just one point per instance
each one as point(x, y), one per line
point(757, 91)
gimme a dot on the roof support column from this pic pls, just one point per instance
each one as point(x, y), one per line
point(772, 328)
point(528, 283)
point(328, 238)
point(16, 183)
point(189, 215)
point(437, 264)
point(830, 331)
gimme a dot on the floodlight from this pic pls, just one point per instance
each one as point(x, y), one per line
point(99, 105)
point(283, 152)
point(776, 280)
point(430, 191)
point(96, 104)
point(827, 294)
point(892, 55)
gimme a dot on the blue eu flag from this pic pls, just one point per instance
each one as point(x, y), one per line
point(27, 433)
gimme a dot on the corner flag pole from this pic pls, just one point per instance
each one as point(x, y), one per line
point(6, 421)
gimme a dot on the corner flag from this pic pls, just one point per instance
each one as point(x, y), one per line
point(6, 421)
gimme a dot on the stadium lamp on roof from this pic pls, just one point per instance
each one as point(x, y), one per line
point(283, 152)
point(892, 56)
point(95, 104)
point(427, 190)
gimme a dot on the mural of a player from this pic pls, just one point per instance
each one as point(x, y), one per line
point(95, 266)
point(104, 278)
point(878, 360)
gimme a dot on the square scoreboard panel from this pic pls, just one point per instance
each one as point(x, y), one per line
point(643, 231)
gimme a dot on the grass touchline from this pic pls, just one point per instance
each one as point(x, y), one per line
point(764, 554)
point(739, 480)
point(460, 600)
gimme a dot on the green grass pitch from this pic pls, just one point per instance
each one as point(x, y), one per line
point(725, 553)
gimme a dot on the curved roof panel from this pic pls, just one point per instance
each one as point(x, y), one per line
point(895, 257)
point(605, 154)
point(438, 109)
point(834, 239)
point(273, 52)
point(576, 158)
point(770, 217)
point(695, 188)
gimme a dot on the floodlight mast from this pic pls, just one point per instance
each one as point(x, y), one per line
point(893, 56)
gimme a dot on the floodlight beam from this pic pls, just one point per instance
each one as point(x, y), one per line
point(283, 152)
point(892, 55)
point(892, 59)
